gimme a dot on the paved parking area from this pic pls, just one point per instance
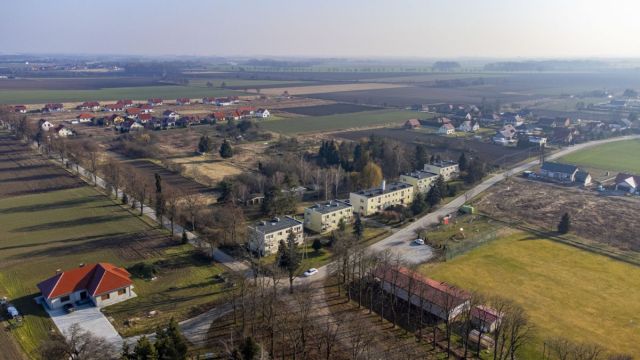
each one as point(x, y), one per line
point(90, 319)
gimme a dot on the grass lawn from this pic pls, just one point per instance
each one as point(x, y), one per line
point(310, 124)
point(566, 291)
point(40, 233)
point(106, 94)
point(616, 156)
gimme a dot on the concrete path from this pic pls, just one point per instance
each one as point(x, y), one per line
point(90, 319)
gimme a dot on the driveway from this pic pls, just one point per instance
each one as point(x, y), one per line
point(90, 319)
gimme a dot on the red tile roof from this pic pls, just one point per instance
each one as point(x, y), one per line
point(433, 291)
point(85, 116)
point(145, 117)
point(132, 111)
point(96, 279)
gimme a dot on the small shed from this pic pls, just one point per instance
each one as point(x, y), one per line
point(467, 209)
point(412, 124)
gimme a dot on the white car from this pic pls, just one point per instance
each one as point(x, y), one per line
point(418, 242)
point(311, 272)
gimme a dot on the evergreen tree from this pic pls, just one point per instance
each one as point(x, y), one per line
point(144, 350)
point(159, 199)
point(358, 227)
point(462, 162)
point(170, 343)
point(249, 349)
point(434, 196)
point(185, 239)
point(419, 204)
point(342, 225)
point(421, 156)
point(316, 245)
point(204, 145)
point(125, 199)
point(226, 151)
point(565, 224)
point(289, 257)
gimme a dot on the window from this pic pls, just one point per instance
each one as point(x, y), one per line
point(105, 297)
point(122, 292)
point(65, 298)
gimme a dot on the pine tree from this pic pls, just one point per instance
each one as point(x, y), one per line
point(419, 204)
point(434, 196)
point(462, 162)
point(226, 151)
point(421, 156)
point(170, 343)
point(358, 228)
point(249, 349)
point(204, 145)
point(565, 224)
point(144, 350)
point(316, 245)
point(185, 239)
point(289, 257)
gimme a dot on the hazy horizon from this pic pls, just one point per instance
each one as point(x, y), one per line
point(493, 29)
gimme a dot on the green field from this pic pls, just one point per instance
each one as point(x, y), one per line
point(40, 233)
point(567, 292)
point(107, 94)
point(311, 124)
point(249, 84)
point(616, 156)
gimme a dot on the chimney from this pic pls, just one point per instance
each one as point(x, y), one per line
point(58, 271)
point(81, 265)
point(384, 185)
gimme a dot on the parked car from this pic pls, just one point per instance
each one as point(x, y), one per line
point(69, 308)
point(418, 242)
point(311, 272)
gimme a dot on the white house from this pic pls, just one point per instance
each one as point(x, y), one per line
point(102, 284)
point(262, 113)
point(469, 126)
point(63, 131)
point(447, 129)
point(265, 236)
point(45, 125)
point(627, 182)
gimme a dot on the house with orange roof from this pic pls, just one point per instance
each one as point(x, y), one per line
point(102, 284)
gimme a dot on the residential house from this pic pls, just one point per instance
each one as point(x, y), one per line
point(469, 126)
point(53, 108)
point(559, 171)
point(446, 168)
point(412, 124)
point(224, 101)
point(262, 113)
point(62, 131)
point(45, 124)
point(85, 118)
point(546, 122)
point(155, 102)
point(264, 236)
point(114, 107)
point(437, 298)
point(209, 100)
point(89, 106)
point(102, 284)
point(485, 318)
point(583, 178)
point(144, 118)
point(447, 129)
point(325, 217)
point(490, 119)
point(126, 102)
point(145, 108)
point(538, 140)
point(133, 112)
point(505, 136)
point(371, 201)
point(627, 182)
point(170, 114)
point(183, 101)
point(514, 119)
point(20, 109)
point(218, 116)
point(563, 135)
point(116, 119)
point(421, 180)
point(135, 126)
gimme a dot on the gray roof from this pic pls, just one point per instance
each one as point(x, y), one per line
point(276, 224)
point(559, 168)
point(581, 176)
point(330, 206)
point(388, 188)
point(420, 174)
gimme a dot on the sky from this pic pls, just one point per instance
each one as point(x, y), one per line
point(324, 28)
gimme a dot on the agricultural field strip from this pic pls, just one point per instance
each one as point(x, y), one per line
point(322, 89)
